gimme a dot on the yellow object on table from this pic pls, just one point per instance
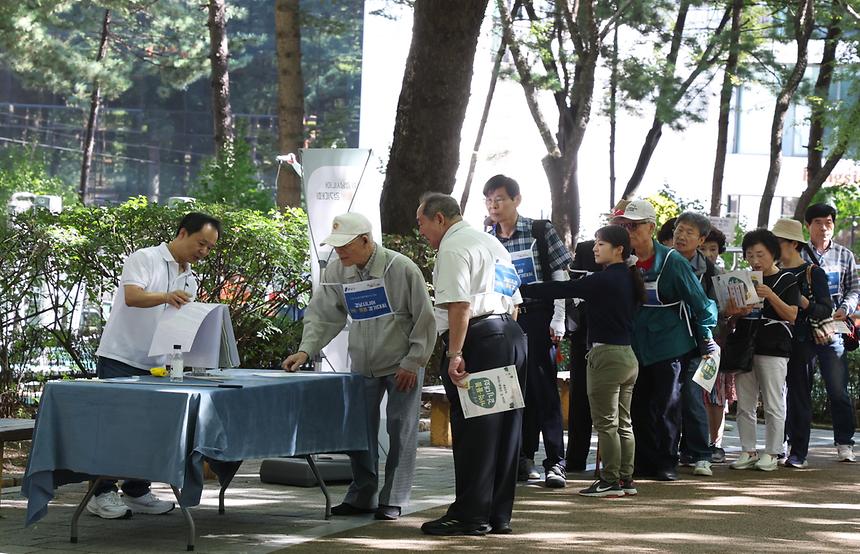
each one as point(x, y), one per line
point(159, 371)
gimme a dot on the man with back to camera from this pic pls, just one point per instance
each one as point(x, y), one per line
point(838, 262)
point(152, 278)
point(391, 336)
point(476, 293)
point(534, 245)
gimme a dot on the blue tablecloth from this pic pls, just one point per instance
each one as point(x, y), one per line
point(161, 432)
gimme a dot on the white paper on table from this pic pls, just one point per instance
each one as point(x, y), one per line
point(490, 392)
point(706, 373)
point(203, 331)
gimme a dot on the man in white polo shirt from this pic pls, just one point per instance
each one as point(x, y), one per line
point(391, 336)
point(152, 278)
point(476, 294)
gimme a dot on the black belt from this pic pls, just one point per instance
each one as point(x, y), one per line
point(478, 319)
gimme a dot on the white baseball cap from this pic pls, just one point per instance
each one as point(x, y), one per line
point(345, 227)
point(639, 210)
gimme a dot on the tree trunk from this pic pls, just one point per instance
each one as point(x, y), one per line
point(725, 108)
point(219, 55)
point(425, 151)
point(291, 106)
point(803, 29)
point(613, 109)
point(656, 130)
point(815, 144)
point(92, 120)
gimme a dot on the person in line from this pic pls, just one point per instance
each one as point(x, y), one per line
point(691, 230)
point(152, 279)
point(579, 422)
point(666, 234)
point(770, 329)
point(718, 401)
point(676, 319)
point(844, 282)
point(539, 255)
point(383, 296)
point(476, 295)
point(815, 302)
point(613, 296)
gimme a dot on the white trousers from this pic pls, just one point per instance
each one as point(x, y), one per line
point(768, 378)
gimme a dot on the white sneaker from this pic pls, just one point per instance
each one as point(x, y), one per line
point(767, 462)
point(148, 504)
point(703, 467)
point(108, 506)
point(746, 461)
point(845, 453)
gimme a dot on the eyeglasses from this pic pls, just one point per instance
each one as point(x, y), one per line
point(631, 225)
point(497, 201)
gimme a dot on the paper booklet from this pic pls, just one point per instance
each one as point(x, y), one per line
point(738, 286)
point(490, 392)
point(205, 332)
point(706, 373)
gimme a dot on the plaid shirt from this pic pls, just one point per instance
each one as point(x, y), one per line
point(836, 256)
point(521, 239)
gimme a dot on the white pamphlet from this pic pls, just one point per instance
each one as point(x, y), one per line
point(204, 332)
point(738, 286)
point(706, 373)
point(490, 392)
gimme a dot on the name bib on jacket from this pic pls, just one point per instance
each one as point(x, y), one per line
point(366, 299)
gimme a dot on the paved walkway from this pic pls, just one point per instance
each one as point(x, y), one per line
point(264, 518)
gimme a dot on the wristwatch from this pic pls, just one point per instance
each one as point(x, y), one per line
point(450, 354)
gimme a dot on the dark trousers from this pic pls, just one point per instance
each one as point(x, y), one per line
point(486, 447)
point(696, 437)
point(833, 364)
point(656, 414)
point(107, 368)
point(542, 414)
point(798, 399)
point(579, 412)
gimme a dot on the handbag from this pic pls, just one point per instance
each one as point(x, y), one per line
point(739, 349)
point(823, 330)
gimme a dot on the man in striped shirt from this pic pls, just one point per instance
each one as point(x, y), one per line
point(838, 262)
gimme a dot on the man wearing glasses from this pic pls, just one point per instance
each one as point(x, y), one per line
point(392, 333)
point(676, 319)
point(539, 255)
point(152, 279)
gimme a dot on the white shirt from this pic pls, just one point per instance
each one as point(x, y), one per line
point(129, 331)
point(465, 271)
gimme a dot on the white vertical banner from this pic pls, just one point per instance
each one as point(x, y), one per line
point(336, 181)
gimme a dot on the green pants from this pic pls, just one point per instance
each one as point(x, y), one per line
point(612, 371)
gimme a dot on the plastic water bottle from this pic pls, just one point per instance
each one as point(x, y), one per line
point(177, 364)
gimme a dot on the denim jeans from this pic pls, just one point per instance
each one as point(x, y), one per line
point(107, 368)
point(834, 371)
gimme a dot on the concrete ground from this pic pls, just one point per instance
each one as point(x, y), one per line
point(811, 510)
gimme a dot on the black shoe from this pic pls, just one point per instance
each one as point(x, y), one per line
point(449, 526)
point(345, 509)
point(388, 513)
point(556, 477)
point(718, 455)
point(666, 475)
point(501, 528)
point(602, 488)
point(628, 486)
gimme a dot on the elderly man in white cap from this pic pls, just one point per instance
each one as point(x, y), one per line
point(382, 296)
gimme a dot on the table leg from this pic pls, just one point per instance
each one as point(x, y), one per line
point(316, 473)
point(228, 478)
point(185, 512)
point(80, 509)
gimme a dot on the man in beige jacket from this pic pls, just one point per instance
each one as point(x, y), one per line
point(383, 297)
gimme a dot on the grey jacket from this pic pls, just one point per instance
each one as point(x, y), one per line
point(377, 347)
